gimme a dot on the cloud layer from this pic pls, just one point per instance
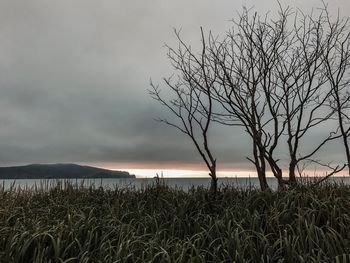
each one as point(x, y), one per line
point(74, 77)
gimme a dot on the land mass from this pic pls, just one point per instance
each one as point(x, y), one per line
point(64, 171)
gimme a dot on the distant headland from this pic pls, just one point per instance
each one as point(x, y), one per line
point(59, 171)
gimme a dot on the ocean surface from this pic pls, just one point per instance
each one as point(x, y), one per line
point(138, 183)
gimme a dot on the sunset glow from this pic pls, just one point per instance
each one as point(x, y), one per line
point(174, 173)
point(166, 172)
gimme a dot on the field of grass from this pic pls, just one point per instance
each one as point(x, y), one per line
point(158, 224)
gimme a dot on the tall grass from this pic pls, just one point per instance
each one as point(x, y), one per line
point(161, 224)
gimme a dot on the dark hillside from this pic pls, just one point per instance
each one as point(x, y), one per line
point(65, 171)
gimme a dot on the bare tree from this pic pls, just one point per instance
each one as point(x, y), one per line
point(278, 79)
point(305, 91)
point(272, 82)
point(192, 105)
point(248, 84)
point(337, 65)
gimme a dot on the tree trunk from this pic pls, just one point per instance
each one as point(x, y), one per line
point(344, 133)
point(277, 173)
point(214, 185)
point(346, 145)
point(214, 180)
point(259, 162)
point(262, 180)
point(262, 170)
point(347, 151)
point(280, 181)
point(292, 177)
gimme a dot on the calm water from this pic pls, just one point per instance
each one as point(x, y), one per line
point(183, 183)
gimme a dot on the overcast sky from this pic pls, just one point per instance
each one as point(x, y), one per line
point(74, 77)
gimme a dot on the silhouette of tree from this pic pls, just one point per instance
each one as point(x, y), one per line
point(192, 104)
point(272, 81)
point(277, 78)
point(336, 57)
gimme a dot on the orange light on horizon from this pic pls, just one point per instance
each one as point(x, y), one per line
point(173, 169)
point(176, 173)
point(148, 170)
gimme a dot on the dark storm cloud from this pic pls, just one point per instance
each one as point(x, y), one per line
point(74, 75)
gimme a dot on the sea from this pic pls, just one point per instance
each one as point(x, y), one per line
point(139, 183)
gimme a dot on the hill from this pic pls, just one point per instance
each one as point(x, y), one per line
point(64, 171)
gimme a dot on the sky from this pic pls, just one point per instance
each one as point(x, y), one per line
point(74, 76)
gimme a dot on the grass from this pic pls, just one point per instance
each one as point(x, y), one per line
point(160, 224)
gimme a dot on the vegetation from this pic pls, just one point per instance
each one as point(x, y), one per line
point(161, 224)
point(280, 78)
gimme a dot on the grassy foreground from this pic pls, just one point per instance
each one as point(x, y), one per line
point(158, 224)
